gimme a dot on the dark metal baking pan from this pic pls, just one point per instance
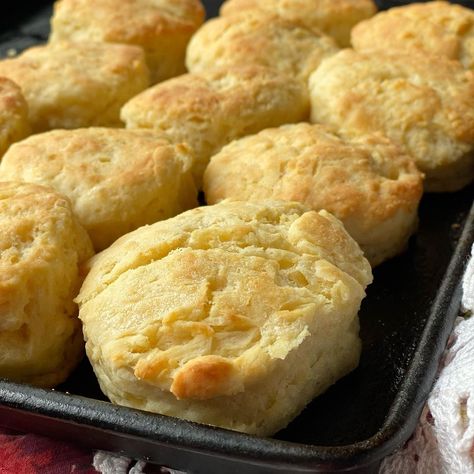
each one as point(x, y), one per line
point(405, 322)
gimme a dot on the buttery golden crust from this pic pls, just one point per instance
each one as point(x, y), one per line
point(438, 28)
point(235, 315)
point(423, 103)
point(161, 27)
point(211, 109)
point(13, 115)
point(258, 38)
point(42, 246)
point(72, 85)
point(367, 182)
point(117, 180)
point(335, 18)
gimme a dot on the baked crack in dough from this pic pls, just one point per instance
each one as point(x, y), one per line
point(258, 38)
point(423, 103)
point(117, 180)
point(438, 28)
point(73, 85)
point(366, 181)
point(161, 27)
point(13, 115)
point(234, 315)
point(42, 246)
point(210, 109)
point(335, 18)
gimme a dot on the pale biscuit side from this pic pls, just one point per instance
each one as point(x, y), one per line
point(43, 246)
point(13, 115)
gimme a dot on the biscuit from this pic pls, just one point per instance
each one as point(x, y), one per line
point(13, 115)
point(258, 38)
point(247, 312)
point(424, 103)
point(209, 110)
point(438, 28)
point(77, 85)
point(366, 181)
point(42, 246)
point(161, 27)
point(117, 180)
point(335, 18)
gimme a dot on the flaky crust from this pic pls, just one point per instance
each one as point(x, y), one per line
point(117, 180)
point(367, 182)
point(234, 315)
point(42, 246)
point(335, 18)
point(258, 38)
point(438, 28)
point(76, 85)
point(161, 27)
point(13, 115)
point(209, 110)
point(424, 103)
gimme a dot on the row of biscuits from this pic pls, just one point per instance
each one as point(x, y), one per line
point(206, 315)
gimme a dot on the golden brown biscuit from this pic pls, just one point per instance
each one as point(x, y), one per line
point(117, 180)
point(70, 85)
point(366, 182)
point(13, 115)
point(42, 246)
point(211, 109)
point(423, 103)
point(333, 17)
point(161, 27)
point(246, 312)
point(257, 38)
point(438, 28)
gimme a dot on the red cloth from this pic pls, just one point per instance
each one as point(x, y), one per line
point(31, 454)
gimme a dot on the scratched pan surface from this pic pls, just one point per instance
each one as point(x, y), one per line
point(405, 322)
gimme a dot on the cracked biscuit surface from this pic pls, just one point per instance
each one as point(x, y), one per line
point(234, 315)
point(421, 102)
point(117, 180)
point(210, 109)
point(438, 28)
point(73, 85)
point(13, 115)
point(366, 181)
point(335, 18)
point(257, 38)
point(42, 246)
point(161, 27)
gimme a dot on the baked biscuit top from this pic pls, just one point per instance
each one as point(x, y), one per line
point(365, 179)
point(69, 85)
point(254, 37)
point(424, 103)
point(199, 304)
point(439, 28)
point(130, 21)
point(116, 179)
point(333, 17)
